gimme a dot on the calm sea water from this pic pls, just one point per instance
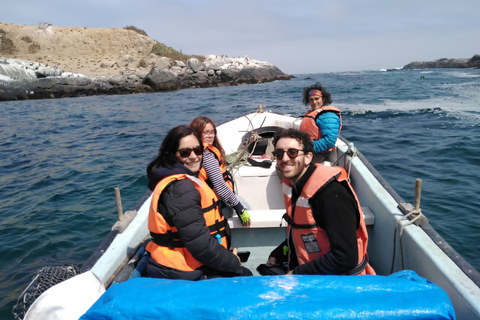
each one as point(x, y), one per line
point(61, 159)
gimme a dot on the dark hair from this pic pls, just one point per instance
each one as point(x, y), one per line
point(302, 138)
point(198, 124)
point(327, 99)
point(166, 154)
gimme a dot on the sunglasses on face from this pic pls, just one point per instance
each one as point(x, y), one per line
point(185, 152)
point(292, 153)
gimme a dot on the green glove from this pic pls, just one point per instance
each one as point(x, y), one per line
point(244, 216)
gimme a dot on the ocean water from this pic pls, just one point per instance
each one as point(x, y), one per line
point(61, 159)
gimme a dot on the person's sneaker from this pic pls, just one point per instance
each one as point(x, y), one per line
point(260, 161)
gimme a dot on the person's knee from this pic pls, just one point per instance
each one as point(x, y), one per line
point(243, 272)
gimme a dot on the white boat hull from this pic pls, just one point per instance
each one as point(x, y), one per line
point(260, 189)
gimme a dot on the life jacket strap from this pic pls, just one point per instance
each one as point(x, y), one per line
point(298, 225)
point(359, 268)
point(215, 204)
point(227, 177)
point(172, 239)
point(169, 239)
point(219, 228)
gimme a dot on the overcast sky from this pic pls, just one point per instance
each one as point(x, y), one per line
point(298, 36)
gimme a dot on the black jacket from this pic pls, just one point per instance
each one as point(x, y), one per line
point(334, 210)
point(180, 205)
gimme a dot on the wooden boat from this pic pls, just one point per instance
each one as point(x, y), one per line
point(400, 237)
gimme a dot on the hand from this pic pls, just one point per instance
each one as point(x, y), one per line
point(235, 252)
point(271, 261)
point(289, 273)
point(244, 218)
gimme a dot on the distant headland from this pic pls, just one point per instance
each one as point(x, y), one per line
point(473, 62)
point(46, 61)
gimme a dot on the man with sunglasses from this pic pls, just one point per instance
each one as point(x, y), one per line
point(326, 232)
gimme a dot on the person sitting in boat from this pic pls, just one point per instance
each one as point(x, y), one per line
point(322, 122)
point(190, 237)
point(214, 171)
point(326, 233)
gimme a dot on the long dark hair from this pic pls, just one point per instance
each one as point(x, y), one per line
point(166, 154)
point(198, 124)
point(327, 98)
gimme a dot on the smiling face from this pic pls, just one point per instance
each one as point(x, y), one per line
point(315, 101)
point(192, 161)
point(292, 168)
point(208, 133)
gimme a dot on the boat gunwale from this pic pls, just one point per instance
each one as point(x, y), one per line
point(452, 254)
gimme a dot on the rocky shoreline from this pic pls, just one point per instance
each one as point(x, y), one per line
point(473, 62)
point(23, 79)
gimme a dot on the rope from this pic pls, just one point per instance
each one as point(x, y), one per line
point(417, 215)
point(254, 138)
point(347, 164)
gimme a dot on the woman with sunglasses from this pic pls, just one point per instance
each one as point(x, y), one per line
point(214, 170)
point(322, 122)
point(190, 237)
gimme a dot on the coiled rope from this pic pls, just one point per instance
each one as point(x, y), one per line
point(242, 156)
point(418, 218)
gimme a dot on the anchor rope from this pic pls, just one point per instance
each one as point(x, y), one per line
point(418, 215)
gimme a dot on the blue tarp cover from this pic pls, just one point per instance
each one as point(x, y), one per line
point(403, 295)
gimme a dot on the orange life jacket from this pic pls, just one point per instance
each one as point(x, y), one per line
point(223, 169)
point(309, 124)
point(166, 247)
point(310, 240)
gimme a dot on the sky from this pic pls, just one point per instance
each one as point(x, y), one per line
point(299, 37)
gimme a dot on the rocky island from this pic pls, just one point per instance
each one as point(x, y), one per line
point(473, 62)
point(45, 61)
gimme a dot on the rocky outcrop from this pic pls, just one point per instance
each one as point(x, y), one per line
point(21, 79)
point(109, 61)
point(473, 62)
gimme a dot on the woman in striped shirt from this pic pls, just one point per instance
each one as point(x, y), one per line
point(214, 171)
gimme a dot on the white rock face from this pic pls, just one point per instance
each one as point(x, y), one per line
point(15, 72)
point(179, 63)
point(194, 64)
point(210, 57)
point(24, 70)
point(177, 71)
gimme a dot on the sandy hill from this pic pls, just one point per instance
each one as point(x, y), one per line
point(75, 49)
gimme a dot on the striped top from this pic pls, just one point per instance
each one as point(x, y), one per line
point(212, 167)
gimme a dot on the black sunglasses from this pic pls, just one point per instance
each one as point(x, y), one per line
point(185, 153)
point(291, 152)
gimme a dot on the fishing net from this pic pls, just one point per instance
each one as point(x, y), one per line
point(237, 159)
point(45, 278)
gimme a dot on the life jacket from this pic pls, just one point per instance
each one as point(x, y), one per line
point(310, 240)
point(166, 247)
point(309, 122)
point(223, 169)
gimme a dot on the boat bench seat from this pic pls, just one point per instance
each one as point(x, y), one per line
point(262, 195)
point(273, 218)
point(368, 216)
point(261, 219)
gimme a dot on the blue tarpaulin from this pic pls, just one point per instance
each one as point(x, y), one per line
point(403, 295)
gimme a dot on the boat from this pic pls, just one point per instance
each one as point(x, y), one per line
point(402, 244)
